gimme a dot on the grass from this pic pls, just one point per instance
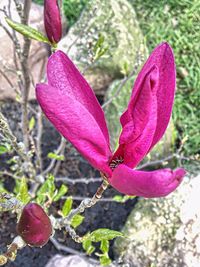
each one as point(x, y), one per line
point(178, 22)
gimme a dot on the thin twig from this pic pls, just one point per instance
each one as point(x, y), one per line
point(58, 163)
point(85, 204)
point(73, 181)
point(53, 161)
point(157, 162)
point(26, 75)
point(39, 161)
point(6, 78)
point(78, 198)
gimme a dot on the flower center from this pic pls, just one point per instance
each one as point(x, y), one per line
point(115, 162)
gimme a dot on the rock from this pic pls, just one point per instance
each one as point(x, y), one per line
point(116, 21)
point(38, 53)
point(164, 232)
point(69, 261)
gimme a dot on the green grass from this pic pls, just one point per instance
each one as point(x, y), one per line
point(40, 2)
point(178, 22)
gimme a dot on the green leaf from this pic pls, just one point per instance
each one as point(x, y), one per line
point(67, 206)
point(27, 31)
point(31, 123)
point(52, 155)
point(23, 194)
point(77, 220)
point(104, 246)
point(88, 247)
point(46, 190)
point(61, 192)
point(122, 199)
point(105, 260)
point(99, 49)
point(99, 42)
point(104, 234)
point(5, 149)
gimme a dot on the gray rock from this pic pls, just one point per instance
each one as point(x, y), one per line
point(164, 232)
point(69, 261)
point(116, 21)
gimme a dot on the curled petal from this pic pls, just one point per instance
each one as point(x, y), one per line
point(64, 75)
point(152, 184)
point(34, 225)
point(139, 121)
point(76, 124)
point(135, 119)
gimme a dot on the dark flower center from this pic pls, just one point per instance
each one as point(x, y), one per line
point(115, 162)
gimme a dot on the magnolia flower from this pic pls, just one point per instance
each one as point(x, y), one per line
point(34, 225)
point(52, 20)
point(70, 104)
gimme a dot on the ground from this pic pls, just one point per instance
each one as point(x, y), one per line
point(110, 215)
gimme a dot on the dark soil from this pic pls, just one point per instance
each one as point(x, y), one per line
point(110, 215)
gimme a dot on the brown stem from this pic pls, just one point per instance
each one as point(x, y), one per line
point(85, 204)
point(26, 75)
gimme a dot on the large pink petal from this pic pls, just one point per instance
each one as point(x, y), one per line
point(76, 124)
point(64, 75)
point(146, 184)
point(162, 57)
point(140, 123)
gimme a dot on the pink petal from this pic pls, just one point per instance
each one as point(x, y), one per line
point(76, 124)
point(146, 184)
point(64, 75)
point(162, 57)
point(139, 121)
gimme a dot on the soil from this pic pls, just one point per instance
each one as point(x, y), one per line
point(110, 215)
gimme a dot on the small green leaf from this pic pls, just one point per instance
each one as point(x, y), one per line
point(67, 206)
point(104, 234)
point(104, 246)
point(88, 247)
point(77, 220)
point(105, 260)
point(31, 123)
point(99, 49)
point(125, 69)
point(122, 199)
point(46, 190)
point(52, 155)
point(118, 198)
point(61, 192)
point(27, 31)
point(23, 194)
point(99, 42)
point(5, 148)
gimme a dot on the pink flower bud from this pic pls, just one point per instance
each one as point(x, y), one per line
point(52, 20)
point(34, 225)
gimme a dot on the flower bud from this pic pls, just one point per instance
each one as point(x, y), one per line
point(52, 20)
point(34, 225)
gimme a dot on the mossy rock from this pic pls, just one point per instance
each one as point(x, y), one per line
point(150, 231)
point(116, 21)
